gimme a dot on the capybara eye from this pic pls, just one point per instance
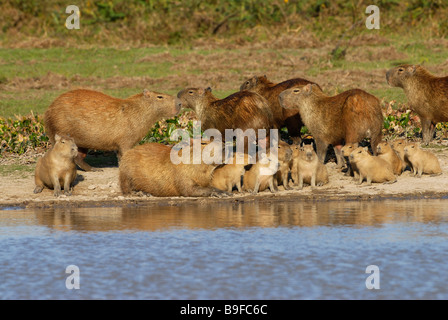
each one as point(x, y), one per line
point(190, 92)
point(247, 82)
point(296, 90)
point(400, 70)
point(159, 97)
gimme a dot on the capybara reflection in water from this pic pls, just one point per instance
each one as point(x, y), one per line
point(149, 168)
point(371, 168)
point(282, 117)
point(427, 95)
point(101, 122)
point(348, 117)
point(422, 161)
point(57, 167)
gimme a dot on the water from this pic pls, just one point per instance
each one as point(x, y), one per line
point(285, 250)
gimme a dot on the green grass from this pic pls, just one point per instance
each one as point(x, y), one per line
point(22, 171)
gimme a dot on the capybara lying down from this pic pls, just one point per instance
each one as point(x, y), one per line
point(348, 117)
point(241, 110)
point(149, 168)
point(57, 167)
point(371, 168)
point(309, 169)
point(229, 175)
point(101, 122)
point(427, 95)
point(398, 145)
point(282, 117)
point(260, 176)
point(422, 161)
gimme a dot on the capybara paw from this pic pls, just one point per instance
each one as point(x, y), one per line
point(57, 193)
point(68, 193)
point(38, 189)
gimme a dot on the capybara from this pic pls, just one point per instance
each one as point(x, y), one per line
point(399, 145)
point(57, 167)
point(371, 168)
point(427, 95)
point(346, 150)
point(101, 122)
point(422, 161)
point(293, 165)
point(348, 117)
point(386, 152)
point(310, 169)
point(255, 180)
point(242, 110)
point(149, 168)
point(284, 158)
point(227, 176)
point(282, 117)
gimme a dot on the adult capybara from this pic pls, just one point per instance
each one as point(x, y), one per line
point(57, 167)
point(227, 176)
point(398, 145)
point(242, 110)
point(348, 117)
point(101, 122)
point(284, 155)
point(427, 95)
point(346, 150)
point(386, 152)
point(422, 161)
point(149, 168)
point(310, 169)
point(282, 117)
point(371, 168)
point(260, 175)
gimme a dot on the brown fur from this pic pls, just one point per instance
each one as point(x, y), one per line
point(348, 117)
point(427, 95)
point(282, 117)
point(371, 168)
point(148, 168)
point(57, 167)
point(309, 169)
point(101, 122)
point(386, 152)
point(284, 159)
point(242, 110)
point(422, 161)
point(399, 145)
point(229, 175)
point(352, 168)
point(255, 182)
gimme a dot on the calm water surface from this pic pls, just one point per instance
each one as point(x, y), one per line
point(288, 250)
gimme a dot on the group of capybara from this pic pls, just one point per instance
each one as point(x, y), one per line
point(80, 120)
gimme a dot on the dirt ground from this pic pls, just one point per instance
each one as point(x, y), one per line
point(95, 189)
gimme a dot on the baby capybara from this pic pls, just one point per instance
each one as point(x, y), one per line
point(101, 122)
point(57, 167)
point(398, 145)
point(282, 117)
point(348, 117)
point(427, 95)
point(422, 161)
point(284, 158)
point(149, 168)
point(310, 169)
point(227, 176)
point(242, 110)
point(386, 152)
point(371, 168)
point(260, 175)
point(346, 150)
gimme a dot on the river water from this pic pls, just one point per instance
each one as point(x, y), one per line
point(279, 250)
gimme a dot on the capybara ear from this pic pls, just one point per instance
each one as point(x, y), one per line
point(411, 69)
point(308, 88)
point(57, 137)
point(146, 93)
point(264, 77)
point(209, 89)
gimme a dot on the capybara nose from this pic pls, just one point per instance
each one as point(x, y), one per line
point(178, 104)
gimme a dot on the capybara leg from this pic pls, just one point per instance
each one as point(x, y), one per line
point(313, 180)
point(286, 181)
point(38, 189)
point(198, 191)
point(79, 160)
point(56, 186)
point(39, 185)
point(257, 186)
point(374, 143)
point(427, 132)
point(67, 187)
point(321, 148)
point(369, 181)
point(300, 181)
point(125, 184)
point(339, 158)
point(272, 187)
